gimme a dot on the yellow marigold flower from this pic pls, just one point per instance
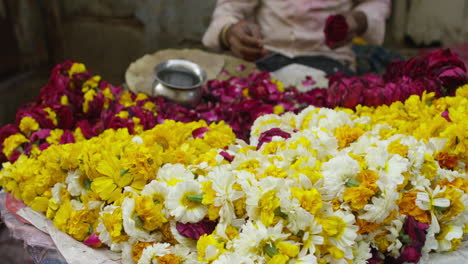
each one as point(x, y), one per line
point(333, 226)
point(109, 97)
point(382, 242)
point(288, 249)
point(245, 92)
point(12, 142)
point(141, 97)
point(395, 147)
point(213, 212)
point(267, 206)
point(239, 206)
point(55, 136)
point(76, 68)
point(366, 227)
point(122, 114)
point(278, 109)
point(250, 166)
point(126, 99)
point(456, 203)
point(40, 204)
point(408, 207)
point(63, 215)
point(347, 135)
point(64, 100)
point(231, 232)
point(88, 98)
point(209, 248)
point(51, 115)
point(138, 248)
point(278, 259)
point(310, 200)
point(113, 223)
point(358, 197)
point(169, 259)
point(279, 85)
point(273, 147)
point(78, 134)
point(91, 84)
point(28, 125)
point(80, 223)
point(219, 135)
point(429, 167)
point(150, 212)
point(208, 193)
point(276, 172)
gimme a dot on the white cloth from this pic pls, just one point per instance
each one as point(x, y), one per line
point(295, 28)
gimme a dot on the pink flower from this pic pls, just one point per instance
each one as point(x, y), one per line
point(92, 240)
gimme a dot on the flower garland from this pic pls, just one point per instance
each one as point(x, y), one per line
point(76, 105)
point(320, 186)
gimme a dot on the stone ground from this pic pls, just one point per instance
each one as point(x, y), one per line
point(12, 251)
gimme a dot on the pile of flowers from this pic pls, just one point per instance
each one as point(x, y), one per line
point(441, 72)
point(76, 105)
point(319, 186)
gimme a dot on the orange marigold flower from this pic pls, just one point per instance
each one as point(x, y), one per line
point(408, 207)
point(446, 160)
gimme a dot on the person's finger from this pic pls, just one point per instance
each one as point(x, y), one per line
point(255, 31)
point(245, 50)
point(251, 41)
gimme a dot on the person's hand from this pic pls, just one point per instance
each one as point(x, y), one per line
point(245, 41)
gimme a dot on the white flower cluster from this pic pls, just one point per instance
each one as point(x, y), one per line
point(324, 185)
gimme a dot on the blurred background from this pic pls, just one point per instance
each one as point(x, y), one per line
point(107, 35)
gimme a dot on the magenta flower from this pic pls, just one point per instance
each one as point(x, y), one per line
point(196, 230)
point(268, 135)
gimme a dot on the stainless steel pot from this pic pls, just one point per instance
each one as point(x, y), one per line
point(180, 81)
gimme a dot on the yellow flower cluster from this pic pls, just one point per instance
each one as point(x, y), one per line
point(70, 182)
point(427, 117)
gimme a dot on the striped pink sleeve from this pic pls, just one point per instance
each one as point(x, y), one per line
point(226, 12)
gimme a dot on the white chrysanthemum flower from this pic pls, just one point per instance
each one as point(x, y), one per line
point(453, 232)
point(184, 202)
point(130, 225)
point(103, 234)
point(233, 257)
point(185, 242)
point(267, 122)
point(256, 192)
point(336, 172)
point(311, 238)
point(158, 191)
point(255, 236)
point(394, 228)
point(171, 174)
point(297, 217)
point(137, 140)
point(392, 174)
point(427, 202)
point(449, 175)
point(381, 206)
point(222, 180)
point(149, 254)
point(57, 192)
point(362, 253)
point(347, 233)
point(75, 186)
point(325, 118)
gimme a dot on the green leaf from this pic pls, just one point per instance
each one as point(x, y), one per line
point(87, 184)
point(279, 213)
point(196, 198)
point(352, 183)
point(138, 221)
point(122, 173)
point(271, 250)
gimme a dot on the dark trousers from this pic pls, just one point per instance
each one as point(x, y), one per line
point(275, 61)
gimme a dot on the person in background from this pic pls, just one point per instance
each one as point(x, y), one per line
point(277, 33)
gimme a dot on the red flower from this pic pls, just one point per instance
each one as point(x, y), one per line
point(336, 30)
point(196, 230)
